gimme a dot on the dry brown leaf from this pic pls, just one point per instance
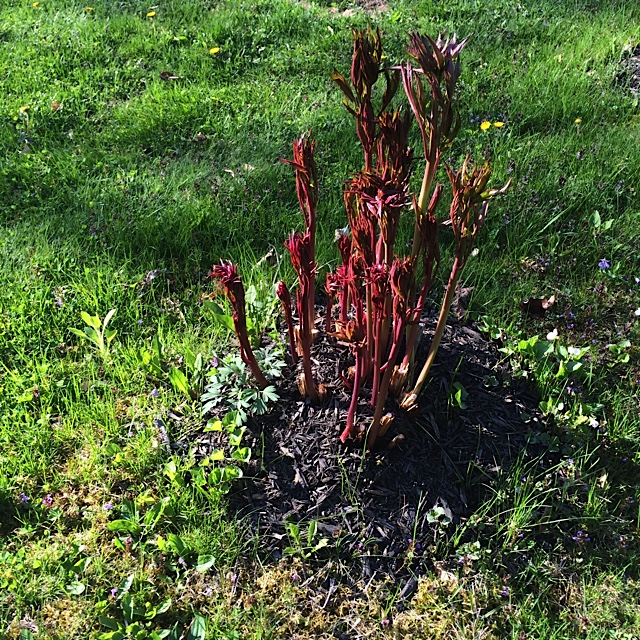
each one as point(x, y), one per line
point(537, 307)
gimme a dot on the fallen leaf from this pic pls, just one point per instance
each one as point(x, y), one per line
point(55, 106)
point(167, 75)
point(536, 307)
point(461, 302)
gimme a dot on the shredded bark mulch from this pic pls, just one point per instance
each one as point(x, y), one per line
point(629, 72)
point(385, 507)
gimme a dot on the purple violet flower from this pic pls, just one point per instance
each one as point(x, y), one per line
point(47, 501)
point(24, 497)
point(604, 264)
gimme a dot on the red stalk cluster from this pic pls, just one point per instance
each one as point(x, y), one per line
point(301, 248)
point(227, 273)
point(380, 293)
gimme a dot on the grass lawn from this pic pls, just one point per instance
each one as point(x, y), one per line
point(140, 144)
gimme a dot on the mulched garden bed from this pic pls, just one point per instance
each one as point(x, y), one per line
point(379, 507)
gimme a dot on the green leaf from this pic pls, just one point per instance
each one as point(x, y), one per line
point(79, 333)
point(75, 588)
point(125, 585)
point(242, 454)
point(235, 437)
point(210, 305)
point(198, 628)
point(117, 543)
point(225, 320)
point(542, 349)
point(269, 394)
point(232, 473)
point(311, 533)
point(163, 607)
point(108, 317)
point(110, 623)
point(92, 335)
point(112, 449)
point(124, 525)
point(179, 380)
point(251, 294)
point(174, 633)
point(294, 531)
point(91, 321)
point(111, 635)
point(177, 544)
point(205, 562)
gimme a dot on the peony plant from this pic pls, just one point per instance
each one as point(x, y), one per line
point(377, 293)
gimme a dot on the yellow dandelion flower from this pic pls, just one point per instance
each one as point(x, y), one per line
point(498, 124)
point(24, 109)
point(214, 50)
point(578, 120)
point(88, 8)
point(35, 4)
point(485, 125)
point(151, 14)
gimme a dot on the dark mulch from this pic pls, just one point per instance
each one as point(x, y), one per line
point(378, 507)
point(629, 72)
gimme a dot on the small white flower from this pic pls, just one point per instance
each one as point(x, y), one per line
point(475, 251)
point(593, 422)
point(573, 351)
point(552, 335)
point(637, 312)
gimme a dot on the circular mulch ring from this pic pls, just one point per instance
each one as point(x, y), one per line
point(383, 509)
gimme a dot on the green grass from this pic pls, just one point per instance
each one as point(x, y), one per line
point(128, 174)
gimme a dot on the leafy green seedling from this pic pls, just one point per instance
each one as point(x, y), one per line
point(458, 395)
point(306, 549)
point(96, 331)
point(138, 621)
point(75, 566)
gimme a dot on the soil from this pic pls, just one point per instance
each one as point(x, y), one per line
point(384, 508)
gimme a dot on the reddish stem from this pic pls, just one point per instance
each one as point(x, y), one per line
point(283, 294)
